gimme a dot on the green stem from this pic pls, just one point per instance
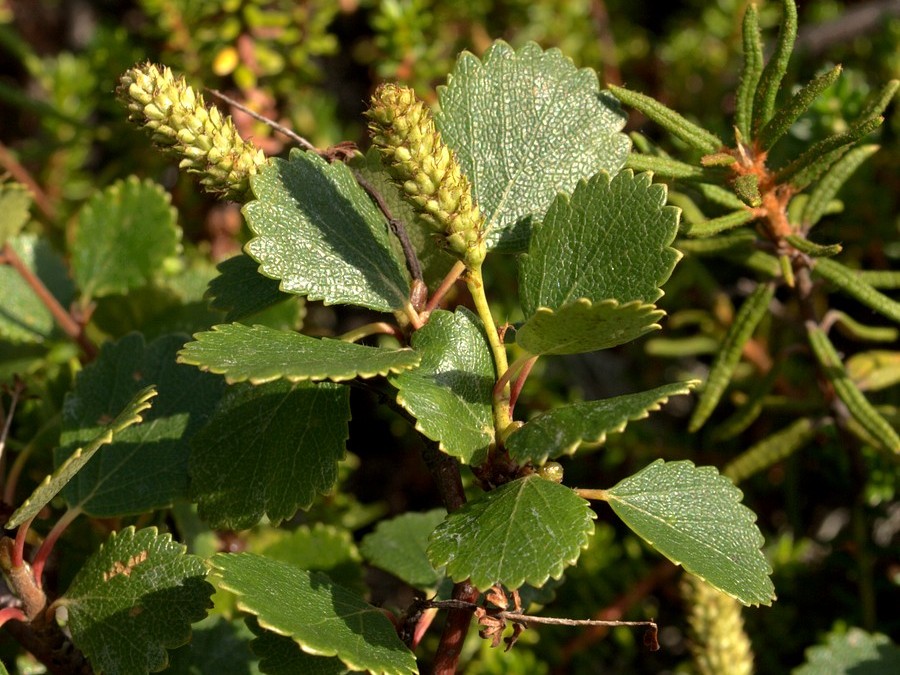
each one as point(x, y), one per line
point(475, 282)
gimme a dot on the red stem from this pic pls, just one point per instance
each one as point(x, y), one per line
point(40, 558)
point(12, 613)
point(445, 286)
point(18, 556)
point(520, 382)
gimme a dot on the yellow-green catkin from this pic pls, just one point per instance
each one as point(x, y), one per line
point(179, 120)
point(718, 641)
point(403, 129)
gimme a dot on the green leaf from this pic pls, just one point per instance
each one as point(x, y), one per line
point(609, 240)
point(268, 450)
point(322, 617)
point(52, 485)
point(745, 322)
point(693, 516)
point(15, 204)
point(217, 647)
point(775, 447)
point(25, 319)
point(146, 466)
point(133, 599)
point(750, 71)
point(775, 68)
point(855, 652)
point(261, 354)
point(434, 259)
point(874, 370)
point(399, 546)
point(850, 282)
point(524, 531)
point(560, 431)
point(123, 235)
point(555, 128)
point(240, 290)
point(665, 167)
point(713, 226)
point(826, 189)
point(857, 404)
point(280, 655)
point(449, 394)
point(319, 233)
point(798, 104)
point(583, 326)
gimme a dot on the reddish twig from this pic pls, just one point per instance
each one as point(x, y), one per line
point(455, 272)
point(40, 558)
point(20, 173)
point(520, 382)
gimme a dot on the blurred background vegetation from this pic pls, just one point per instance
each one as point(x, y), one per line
point(831, 517)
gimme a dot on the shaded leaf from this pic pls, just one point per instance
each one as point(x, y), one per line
point(146, 466)
point(693, 516)
point(135, 598)
point(322, 617)
point(562, 430)
point(123, 235)
point(609, 240)
point(268, 450)
point(261, 354)
point(51, 485)
point(855, 652)
point(319, 233)
point(217, 647)
point(555, 128)
point(449, 394)
point(280, 655)
point(399, 546)
point(524, 531)
point(240, 290)
point(23, 317)
point(583, 326)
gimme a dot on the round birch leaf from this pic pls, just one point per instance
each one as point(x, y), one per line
point(146, 465)
point(123, 235)
point(694, 516)
point(560, 431)
point(24, 318)
point(449, 394)
point(855, 652)
point(585, 326)
point(399, 546)
point(323, 618)
point(135, 598)
point(610, 239)
point(320, 233)
point(268, 450)
point(280, 655)
point(240, 290)
point(525, 125)
point(524, 531)
point(262, 354)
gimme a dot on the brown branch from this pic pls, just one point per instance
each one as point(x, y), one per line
point(65, 321)
point(290, 133)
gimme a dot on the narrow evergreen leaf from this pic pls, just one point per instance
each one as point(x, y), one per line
point(862, 411)
point(52, 484)
point(399, 546)
point(146, 466)
point(319, 233)
point(714, 226)
point(880, 278)
point(774, 448)
point(719, 195)
point(798, 104)
point(268, 450)
point(873, 370)
point(133, 599)
point(880, 100)
point(123, 235)
point(610, 239)
point(694, 516)
point(860, 331)
point(826, 189)
point(694, 135)
point(15, 204)
point(854, 652)
point(849, 281)
point(560, 431)
point(323, 618)
point(280, 655)
point(25, 319)
point(745, 322)
point(664, 166)
point(240, 290)
point(748, 411)
point(524, 531)
point(776, 67)
point(261, 354)
point(812, 249)
point(583, 326)
point(450, 393)
point(556, 128)
point(750, 71)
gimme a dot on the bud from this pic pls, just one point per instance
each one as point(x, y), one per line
point(427, 172)
point(179, 121)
